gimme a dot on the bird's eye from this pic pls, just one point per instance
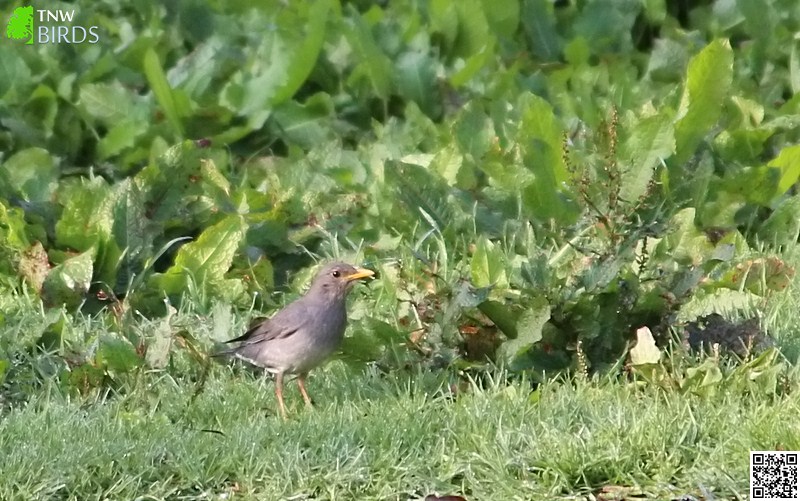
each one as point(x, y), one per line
point(335, 273)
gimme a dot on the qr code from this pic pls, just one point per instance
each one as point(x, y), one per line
point(773, 475)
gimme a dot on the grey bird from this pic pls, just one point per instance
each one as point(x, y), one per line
point(303, 334)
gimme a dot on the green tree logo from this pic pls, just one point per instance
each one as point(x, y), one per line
point(20, 25)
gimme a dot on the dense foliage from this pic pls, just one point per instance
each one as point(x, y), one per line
point(533, 180)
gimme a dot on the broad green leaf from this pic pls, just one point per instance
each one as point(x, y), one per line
point(754, 184)
point(474, 131)
point(703, 176)
point(120, 137)
point(374, 65)
point(206, 260)
point(472, 66)
point(727, 14)
point(415, 79)
point(717, 300)
point(444, 20)
point(684, 242)
point(607, 24)
point(257, 275)
point(708, 84)
point(655, 10)
point(600, 275)
point(448, 162)
point(195, 72)
point(788, 162)
point(529, 329)
point(539, 125)
point(14, 73)
point(43, 104)
point(67, 283)
point(30, 174)
point(173, 182)
point(308, 124)
point(762, 373)
point(721, 212)
point(212, 175)
point(503, 16)
point(751, 113)
point(539, 23)
point(306, 52)
point(761, 21)
point(111, 103)
point(269, 230)
point(13, 228)
point(488, 266)
point(577, 52)
point(782, 227)
point(502, 316)
point(540, 136)
point(667, 60)
point(290, 54)
point(652, 141)
point(117, 355)
point(703, 380)
point(742, 145)
point(420, 159)
point(422, 192)
point(505, 175)
point(473, 28)
point(86, 220)
point(367, 342)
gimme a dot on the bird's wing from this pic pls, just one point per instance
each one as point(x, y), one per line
point(285, 323)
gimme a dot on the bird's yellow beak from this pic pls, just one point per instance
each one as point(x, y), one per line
point(360, 273)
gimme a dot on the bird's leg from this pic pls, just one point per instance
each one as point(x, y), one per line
point(301, 383)
point(279, 394)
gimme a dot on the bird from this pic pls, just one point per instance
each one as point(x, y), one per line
point(304, 334)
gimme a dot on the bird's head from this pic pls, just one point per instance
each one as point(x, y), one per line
point(336, 279)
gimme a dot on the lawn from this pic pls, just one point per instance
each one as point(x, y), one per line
point(373, 436)
point(183, 433)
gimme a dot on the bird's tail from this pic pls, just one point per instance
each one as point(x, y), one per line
point(223, 353)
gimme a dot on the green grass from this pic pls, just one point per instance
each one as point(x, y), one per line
point(379, 437)
point(371, 436)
